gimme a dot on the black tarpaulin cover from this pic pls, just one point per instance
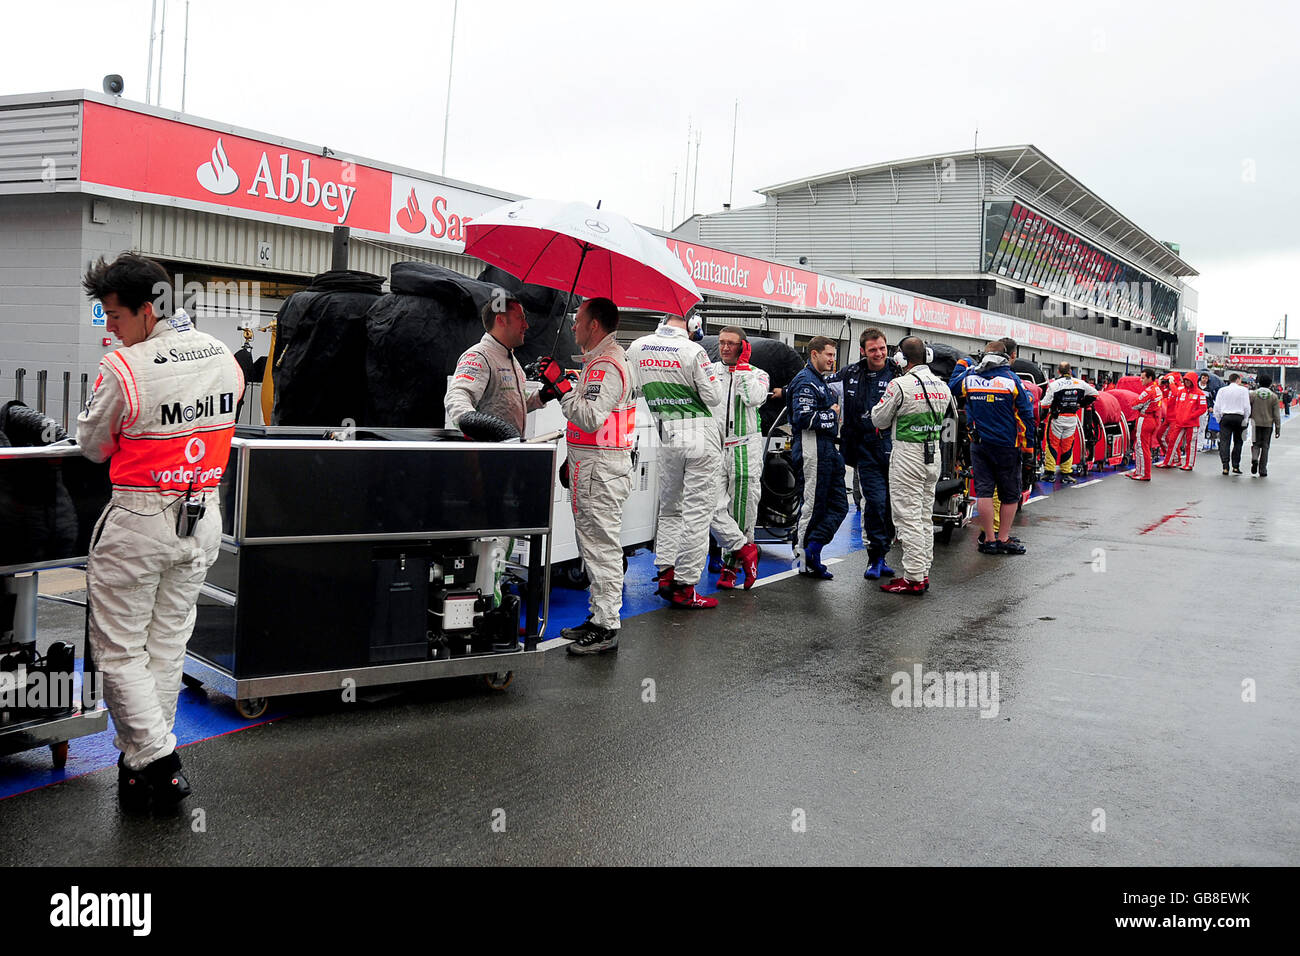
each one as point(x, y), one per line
point(320, 350)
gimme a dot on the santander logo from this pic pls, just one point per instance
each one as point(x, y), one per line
point(218, 176)
point(409, 216)
point(295, 186)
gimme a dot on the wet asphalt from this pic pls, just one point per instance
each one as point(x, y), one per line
point(763, 732)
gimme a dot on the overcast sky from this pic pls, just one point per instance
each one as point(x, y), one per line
point(1184, 116)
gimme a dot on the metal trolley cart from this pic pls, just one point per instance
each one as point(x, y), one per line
point(50, 498)
point(367, 560)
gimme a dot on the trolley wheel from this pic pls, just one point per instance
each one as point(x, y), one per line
point(190, 681)
point(252, 707)
point(499, 680)
point(59, 753)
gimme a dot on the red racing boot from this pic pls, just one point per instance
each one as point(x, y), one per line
point(904, 586)
point(665, 589)
point(684, 596)
point(727, 579)
point(749, 561)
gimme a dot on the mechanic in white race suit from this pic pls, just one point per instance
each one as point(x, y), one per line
point(601, 411)
point(742, 457)
point(490, 380)
point(914, 405)
point(488, 377)
point(674, 375)
point(163, 411)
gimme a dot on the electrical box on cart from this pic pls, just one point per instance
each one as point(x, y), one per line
point(382, 558)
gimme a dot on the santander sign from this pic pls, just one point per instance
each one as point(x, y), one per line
point(300, 186)
point(291, 186)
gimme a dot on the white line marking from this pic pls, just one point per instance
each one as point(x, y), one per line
point(1036, 498)
point(1091, 674)
point(793, 572)
point(1090, 481)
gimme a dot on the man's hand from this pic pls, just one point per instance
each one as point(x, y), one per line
point(836, 408)
point(555, 381)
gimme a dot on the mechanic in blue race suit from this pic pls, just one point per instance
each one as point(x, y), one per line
point(818, 466)
point(865, 447)
point(1000, 417)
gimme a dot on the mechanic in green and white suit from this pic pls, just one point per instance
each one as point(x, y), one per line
point(742, 457)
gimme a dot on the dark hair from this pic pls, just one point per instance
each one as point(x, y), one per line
point(868, 335)
point(819, 342)
point(603, 311)
point(131, 277)
point(735, 330)
point(1064, 368)
point(1265, 380)
point(1234, 377)
point(490, 309)
point(913, 350)
point(1010, 345)
point(1149, 373)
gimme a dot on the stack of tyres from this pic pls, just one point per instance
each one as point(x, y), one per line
point(320, 350)
point(38, 520)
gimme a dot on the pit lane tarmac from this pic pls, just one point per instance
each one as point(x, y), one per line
point(1144, 714)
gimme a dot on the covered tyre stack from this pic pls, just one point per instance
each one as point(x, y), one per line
point(38, 520)
point(320, 350)
point(414, 335)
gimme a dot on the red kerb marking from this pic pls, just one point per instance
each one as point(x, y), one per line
point(1180, 513)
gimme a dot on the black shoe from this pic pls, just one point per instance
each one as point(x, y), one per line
point(1010, 537)
point(169, 785)
point(1263, 474)
point(1009, 547)
point(133, 788)
point(1049, 476)
point(597, 640)
point(1225, 469)
point(1254, 467)
point(1236, 471)
point(579, 632)
point(1067, 479)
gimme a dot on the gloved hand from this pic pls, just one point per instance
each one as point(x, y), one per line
point(555, 381)
point(743, 364)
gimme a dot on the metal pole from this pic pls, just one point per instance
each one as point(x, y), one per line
point(451, 59)
point(735, 118)
point(339, 260)
point(85, 385)
point(41, 378)
point(674, 206)
point(67, 389)
point(20, 375)
point(185, 55)
point(686, 174)
point(162, 47)
point(695, 186)
point(148, 81)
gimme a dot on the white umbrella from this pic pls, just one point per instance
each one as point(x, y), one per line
point(575, 247)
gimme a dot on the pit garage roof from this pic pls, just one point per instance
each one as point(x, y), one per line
point(1030, 165)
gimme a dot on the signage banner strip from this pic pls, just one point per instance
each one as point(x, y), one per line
point(728, 273)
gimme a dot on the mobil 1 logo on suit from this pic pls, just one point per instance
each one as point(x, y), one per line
point(208, 406)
